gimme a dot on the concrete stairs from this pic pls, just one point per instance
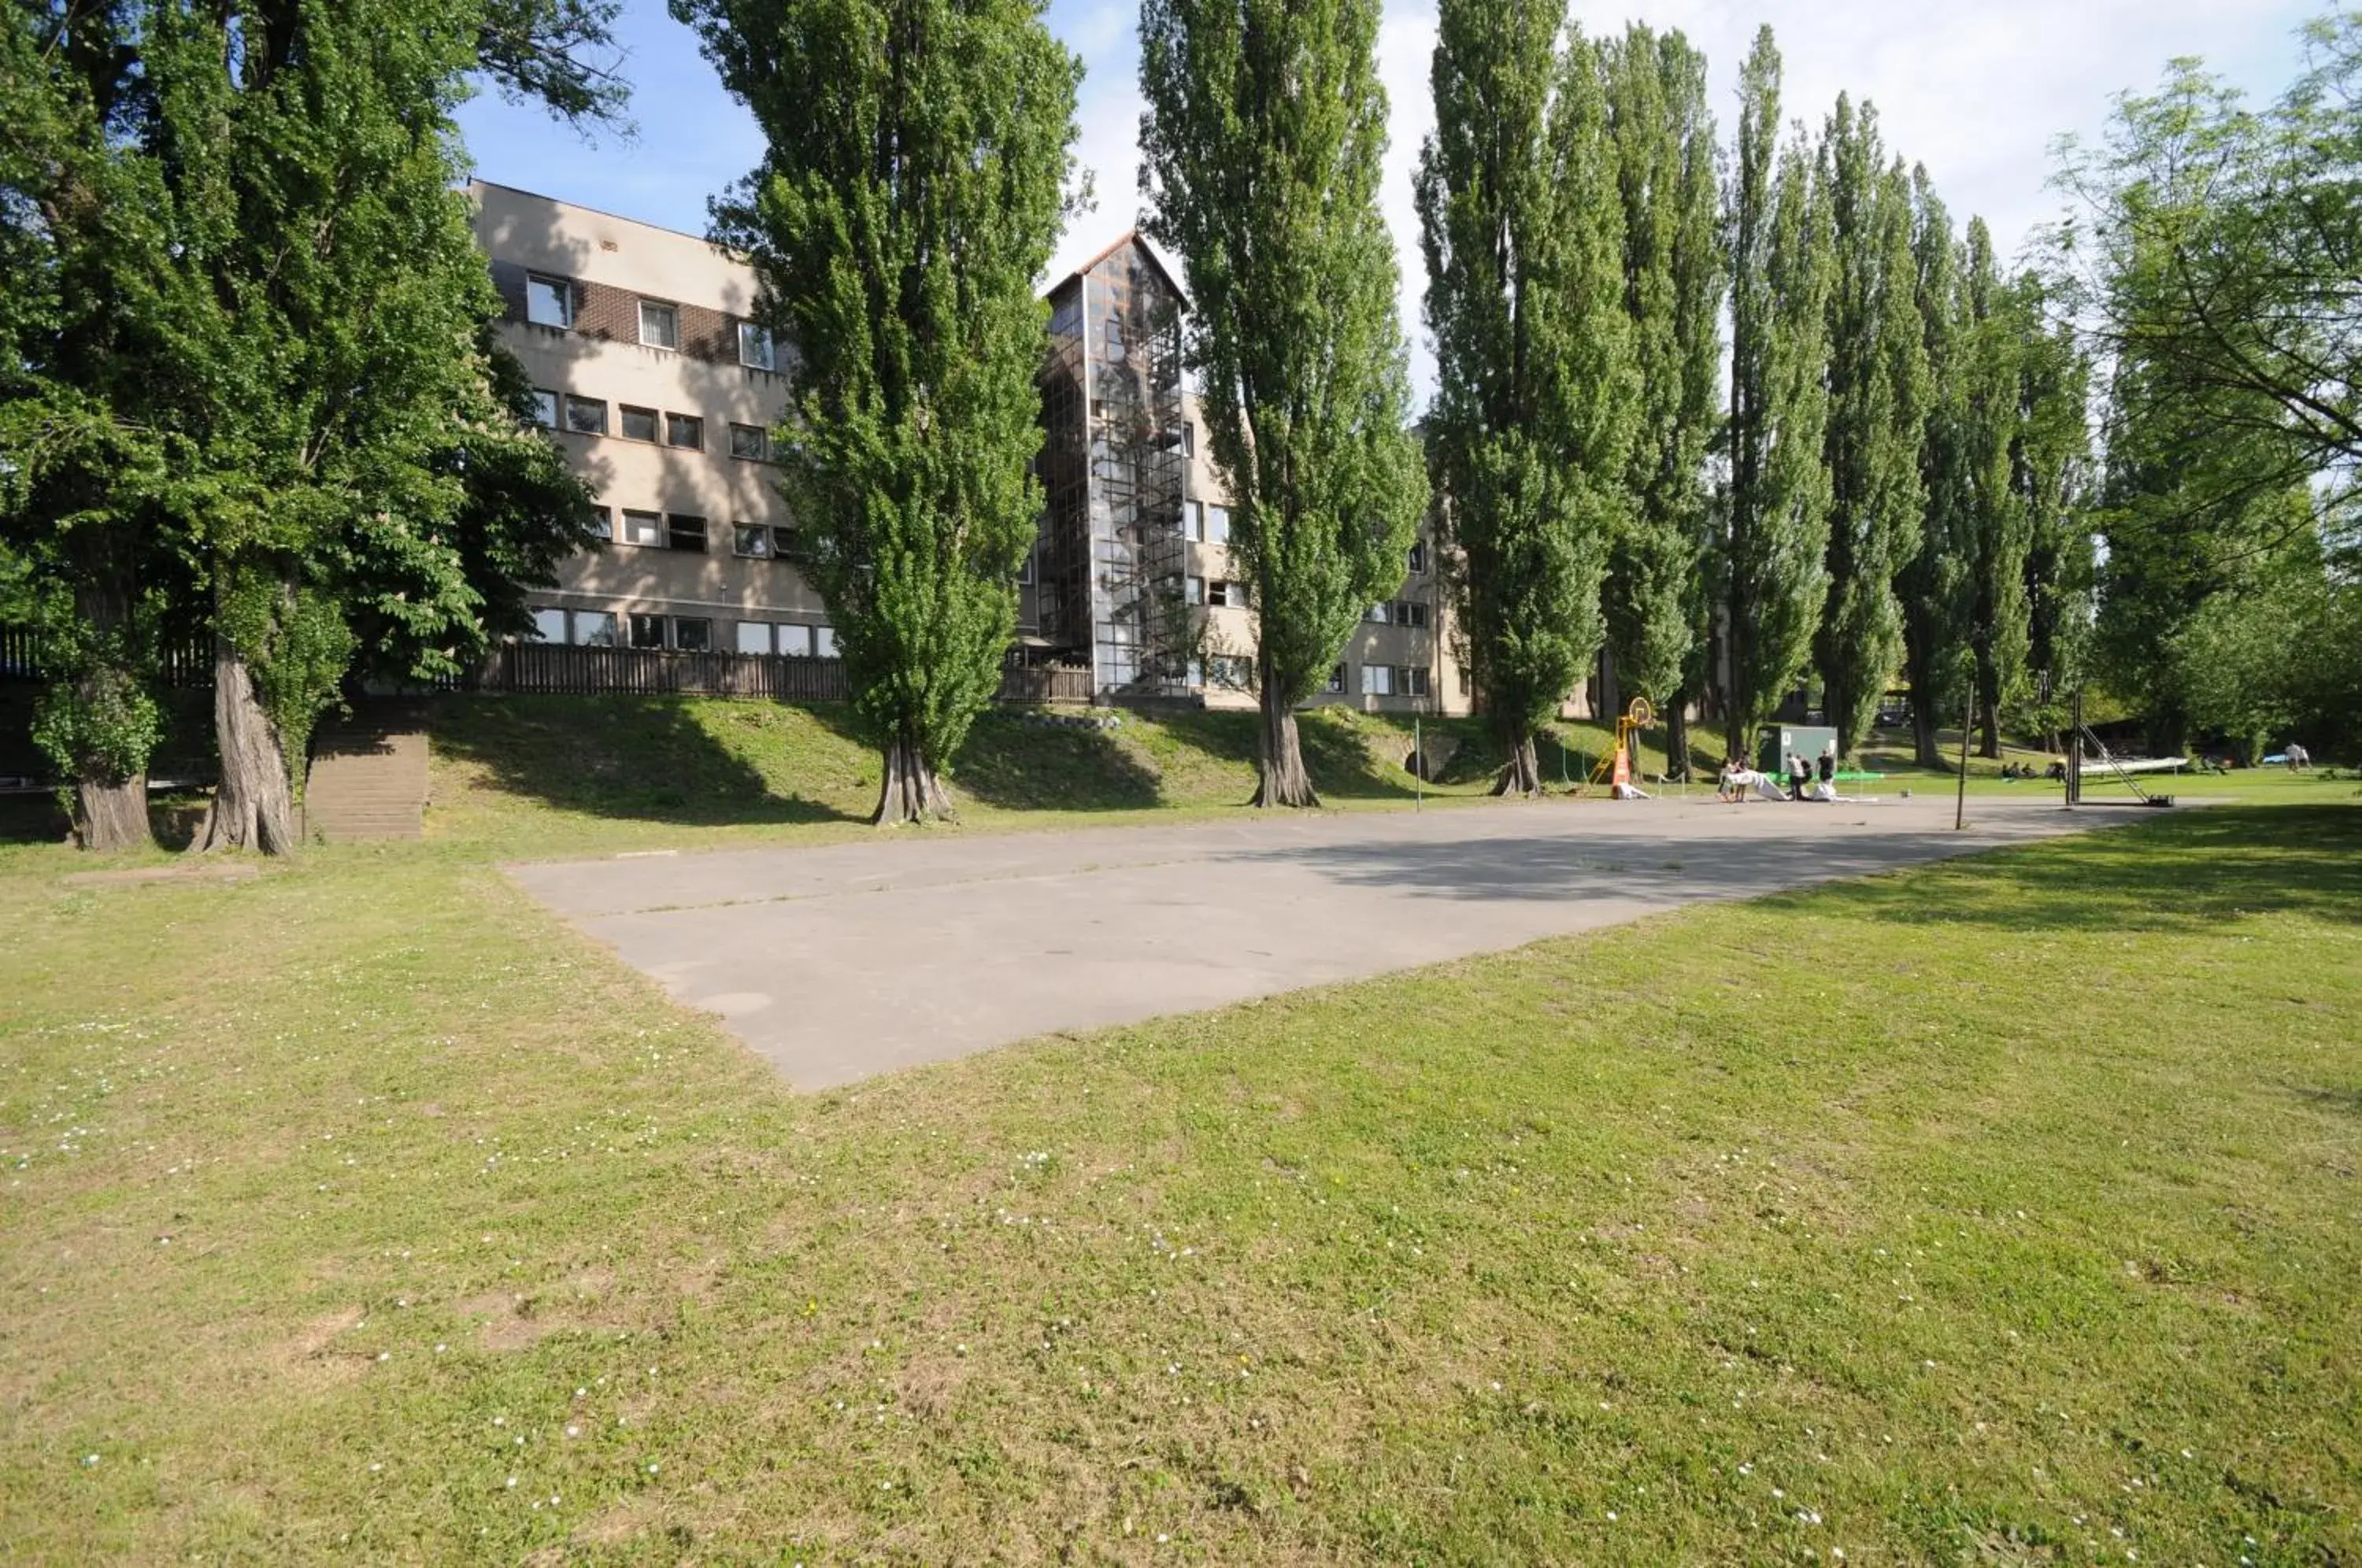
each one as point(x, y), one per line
point(367, 778)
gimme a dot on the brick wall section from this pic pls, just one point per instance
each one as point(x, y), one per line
point(612, 315)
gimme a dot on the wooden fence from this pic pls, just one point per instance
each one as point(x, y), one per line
point(181, 665)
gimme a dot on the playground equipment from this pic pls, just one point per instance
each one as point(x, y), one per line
point(1616, 768)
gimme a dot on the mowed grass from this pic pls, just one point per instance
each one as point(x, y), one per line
point(2008, 1210)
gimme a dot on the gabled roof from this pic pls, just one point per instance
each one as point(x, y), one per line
point(1129, 236)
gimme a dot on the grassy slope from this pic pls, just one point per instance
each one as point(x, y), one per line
point(1978, 1213)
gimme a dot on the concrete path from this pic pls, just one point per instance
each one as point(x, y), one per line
point(846, 960)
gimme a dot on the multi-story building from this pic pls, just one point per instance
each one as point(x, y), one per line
point(647, 364)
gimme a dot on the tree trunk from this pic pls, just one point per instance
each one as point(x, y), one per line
point(1677, 735)
point(1924, 751)
point(1611, 699)
point(912, 792)
point(111, 815)
point(1280, 756)
point(255, 806)
point(1989, 722)
point(1522, 772)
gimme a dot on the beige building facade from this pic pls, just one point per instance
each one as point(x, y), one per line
point(649, 370)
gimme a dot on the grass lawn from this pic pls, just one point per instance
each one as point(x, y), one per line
point(2008, 1210)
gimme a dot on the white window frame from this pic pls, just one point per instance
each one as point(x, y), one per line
point(755, 334)
point(1194, 592)
point(665, 311)
point(1218, 533)
point(1377, 681)
point(559, 292)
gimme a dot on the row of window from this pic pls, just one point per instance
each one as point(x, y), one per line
point(588, 416)
point(1385, 679)
point(1219, 592)
point(1401, 613)
point(684, 634)
point(549, 302)
point(678, 531)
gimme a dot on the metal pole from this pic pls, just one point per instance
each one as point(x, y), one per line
point(1960, 801)
point(2075, 752)
point(1417, 766)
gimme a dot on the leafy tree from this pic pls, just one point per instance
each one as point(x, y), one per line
point(1261, 149)
point(1665, 158)
point(2051, 464)
point(912, 188)
point(2000, 531)
point(1780, 275)
point(2219, 246)
point(1520, 227)
point(253, 373)
point(1878, 394)
point(1934, 585)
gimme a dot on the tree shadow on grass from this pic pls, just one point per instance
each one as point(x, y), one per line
point(645, 758)
point(1021, 761)
point(2175, 874)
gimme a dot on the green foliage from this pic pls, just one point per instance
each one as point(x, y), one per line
point(1533, 413)
point(2000, 533)
point(1933, 587)
point(248, 363)
point(1777, 530)
point(1261, 156)
point(909, 193)
point(1665, 164)
point(2219, 244)
point(103, 726)
point(1878, 397)
point(2050, 470)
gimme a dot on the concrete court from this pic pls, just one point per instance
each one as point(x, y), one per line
point(849, 959)
point(845, 960)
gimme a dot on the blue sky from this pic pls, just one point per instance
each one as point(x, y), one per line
point(1976, 89)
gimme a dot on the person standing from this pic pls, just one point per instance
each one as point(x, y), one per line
point(1828, 765)
point(2299, 759)
point(1800, 774)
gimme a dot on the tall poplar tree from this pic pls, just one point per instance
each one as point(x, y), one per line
point(1777, 532)
point(1261, 153)
point(1665, 156)
point(1934, 584)
point(1999, 535)
point(1878, 390)
point(2050, 468)
point(1521, 229)
point(913, 186)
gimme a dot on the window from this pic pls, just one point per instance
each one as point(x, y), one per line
point(686, 632)
point(1188, 441)
point(659, 325)
point(685, 534)
point(1410, 679)
point(1337, 680)
point(1418, 558)
point(550, 625)
point(784, 546)
point(1196, 594)
point(789, 639)
point(824, 642)
point(586, 415)
point(752, 542)
point(1230, 670)
point(1193, 520)
point(1408, 613)
point(1377, 681)
point(593, 628)
point(1218, 524)
point(545, 408)
point(643, 528)
point(796, 641)
point(1376, 614)
point(751, 442)
point(755, 346)
point(636, 424)
point(685, 430)
point(598, 522)
point(549, 301)
point(1224, 593)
